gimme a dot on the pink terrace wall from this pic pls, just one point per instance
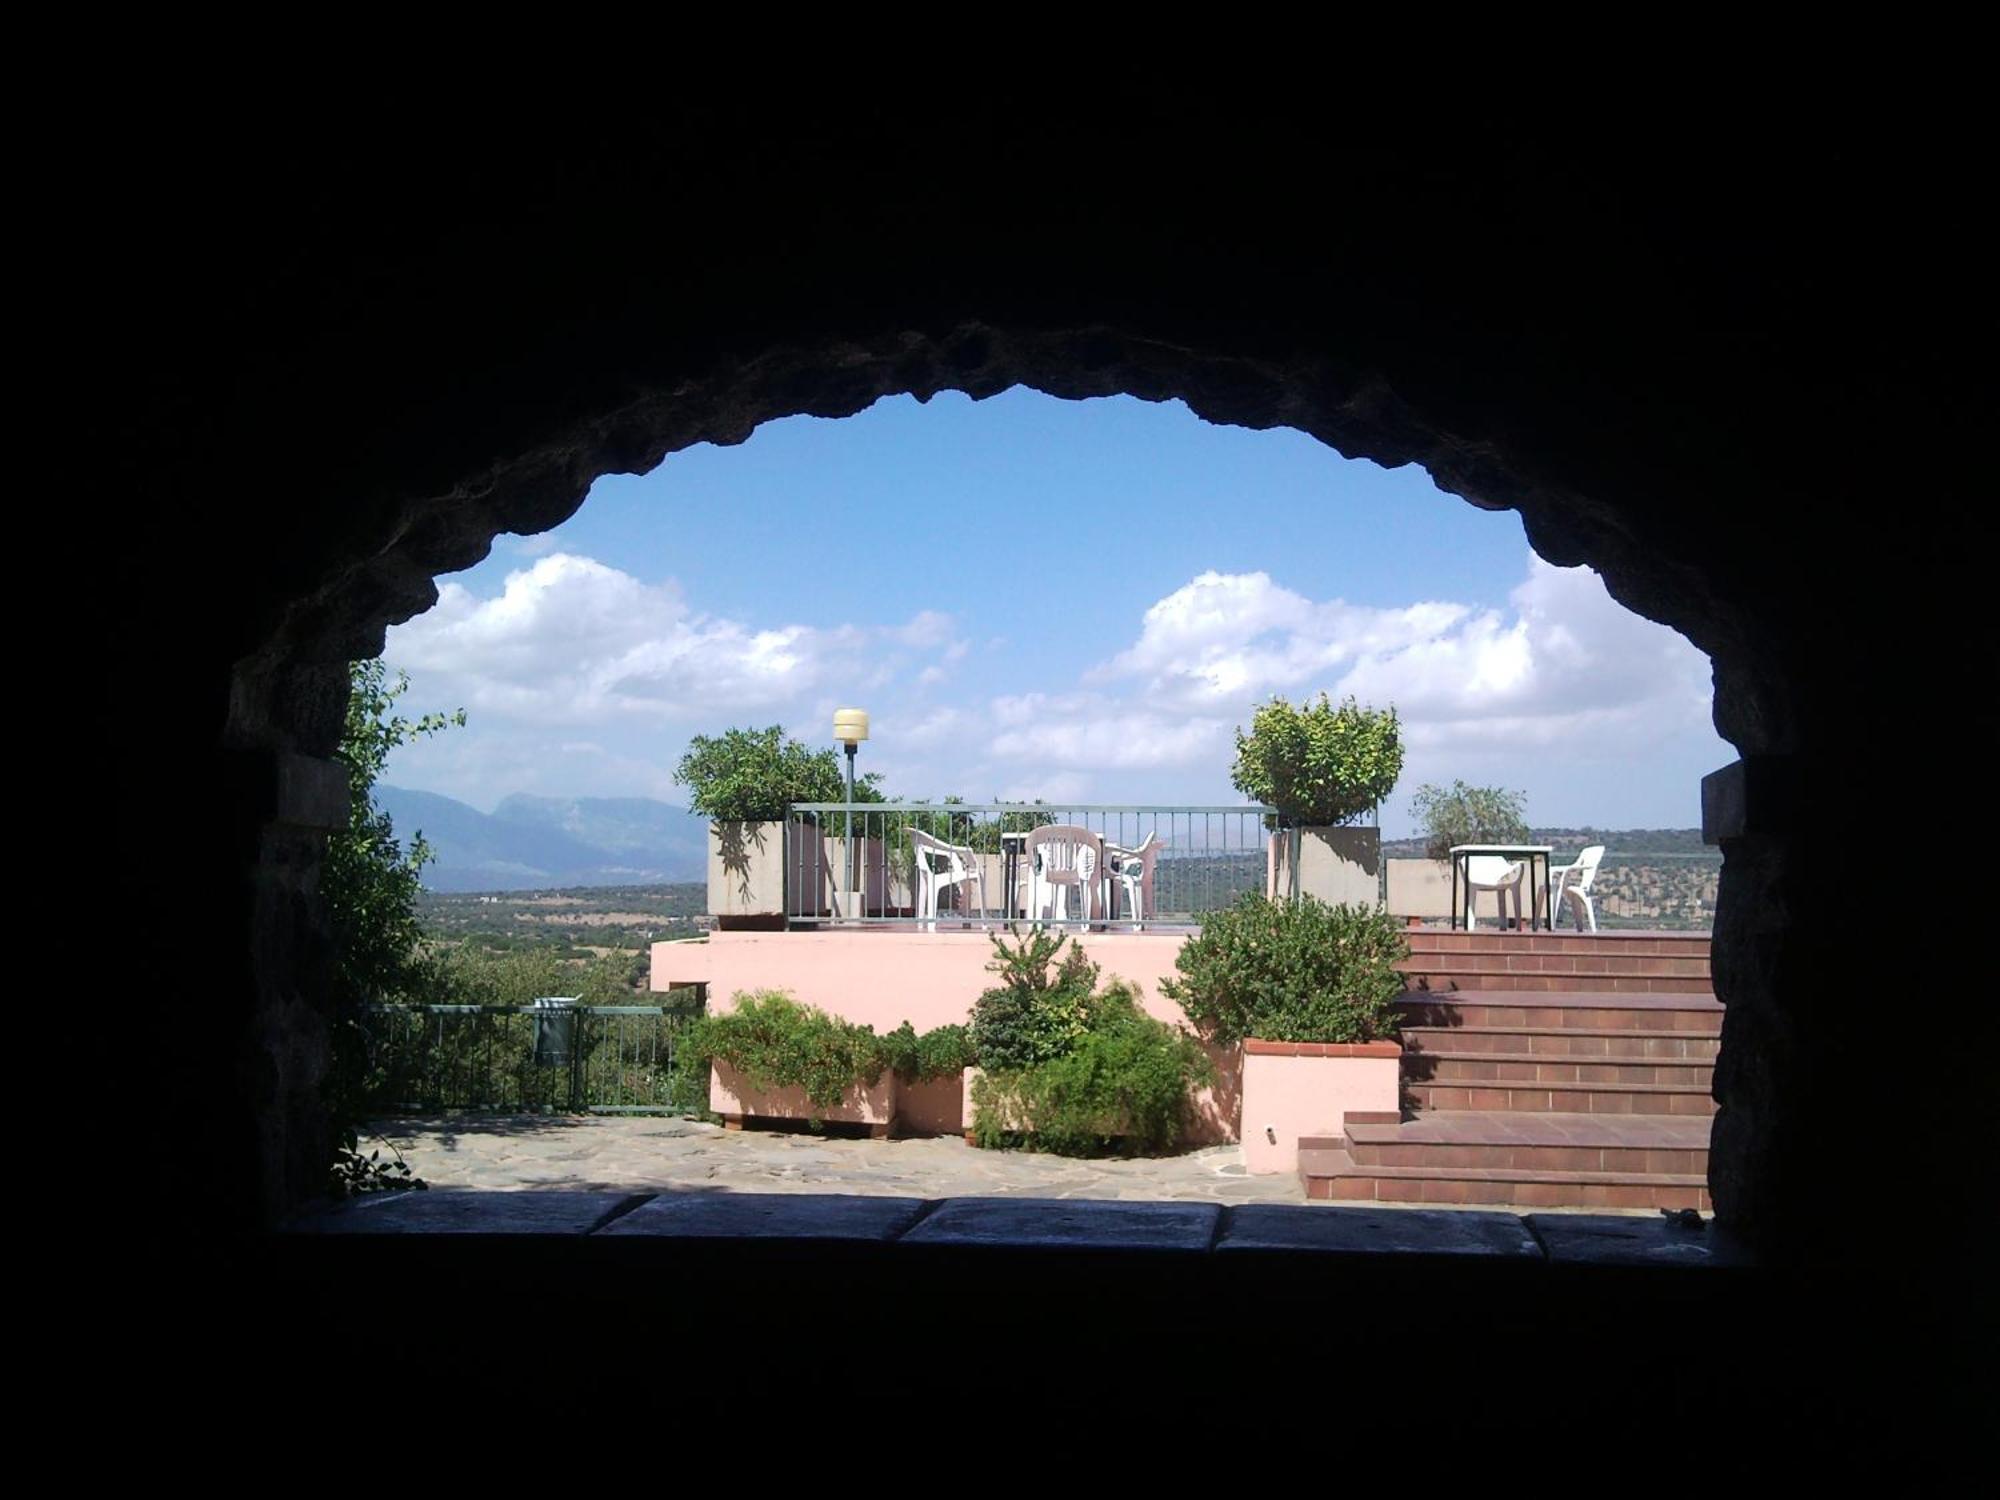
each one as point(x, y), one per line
point(1292, 1089)
point(884, 978)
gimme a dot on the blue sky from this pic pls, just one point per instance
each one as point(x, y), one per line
point(1077, 600)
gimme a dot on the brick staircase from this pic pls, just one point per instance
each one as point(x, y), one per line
point(1544, 1070)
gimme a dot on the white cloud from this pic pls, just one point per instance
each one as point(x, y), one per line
point(1566, 663)
point(572, 640)
point(1230, 638)
point(1091, 730)
point(590, 679)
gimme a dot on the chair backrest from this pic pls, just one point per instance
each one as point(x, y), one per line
point(926, 844)
point(1490, 869)
point(1586, 868)
point(1066, 853)
point(1147, 852)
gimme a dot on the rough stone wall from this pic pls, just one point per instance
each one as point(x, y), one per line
point(1675, 359)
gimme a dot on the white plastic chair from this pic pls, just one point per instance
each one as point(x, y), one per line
point(1061, 857)
point(1489, 872)
point(1573, 884)
point(1133, 870)
point(940, 867)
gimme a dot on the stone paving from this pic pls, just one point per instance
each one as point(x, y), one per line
point(655, 1152)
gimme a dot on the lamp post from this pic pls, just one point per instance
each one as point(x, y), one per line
point(850, 728)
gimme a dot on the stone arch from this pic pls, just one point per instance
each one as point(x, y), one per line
point(1640, 411)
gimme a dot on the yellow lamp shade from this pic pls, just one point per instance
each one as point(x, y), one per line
point(850, 725)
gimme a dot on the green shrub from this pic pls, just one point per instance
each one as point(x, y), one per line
point(1291, 971)
point(1464, 814)
point(1069, 1068)
point(1319, 764)
point(1125, 1083)
point(777, 1042)
point(755, 775)
point(937, 1053)
point(1039, 1008)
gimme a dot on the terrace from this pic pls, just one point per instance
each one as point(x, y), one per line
point(1534, 1068)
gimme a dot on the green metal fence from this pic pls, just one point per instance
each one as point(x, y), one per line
point(526, 1059)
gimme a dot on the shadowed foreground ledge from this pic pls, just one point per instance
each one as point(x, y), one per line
point(1497, 1318)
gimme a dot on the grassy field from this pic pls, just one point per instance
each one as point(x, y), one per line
point(583, 921)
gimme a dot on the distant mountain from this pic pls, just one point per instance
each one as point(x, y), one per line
point(535, 843)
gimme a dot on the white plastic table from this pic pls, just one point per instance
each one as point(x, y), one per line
point(1540, 912)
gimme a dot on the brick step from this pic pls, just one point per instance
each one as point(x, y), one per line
point(1578, 1099)
point(1331, 1174)
point(1625, 1044)
point(1511, 1010)
point(1516, 962)
point(1635, 944)
point(1454, 976)
point(1516, 1069)
point(1552, 1141)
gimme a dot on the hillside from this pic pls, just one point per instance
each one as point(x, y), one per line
point(543, 843)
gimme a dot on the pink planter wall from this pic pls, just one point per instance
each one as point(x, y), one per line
point(730, 1093)
point(1292, 1089)
point(882, 979)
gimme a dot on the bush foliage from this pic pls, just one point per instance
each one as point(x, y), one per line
point(755, 775)
point(370, 882)
point(778, 1042)
point(1039, 1008)
point(1319, 764)
point(1071, 1068)
point(1291, 971)
point(1462, 814)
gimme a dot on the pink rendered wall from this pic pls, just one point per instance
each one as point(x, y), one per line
point(884, 978)
point(1287, 1097)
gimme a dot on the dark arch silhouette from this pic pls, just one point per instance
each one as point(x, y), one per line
point(1721, 371)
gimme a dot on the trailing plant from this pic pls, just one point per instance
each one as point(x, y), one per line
point(1462, 814)
point(1124, 1083)
point(921, 1057)
point(755, 775)
point(777, 1042)
point(1291, 971)
point(1318, 764)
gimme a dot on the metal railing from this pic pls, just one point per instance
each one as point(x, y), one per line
point(528, 1059)
point(1206, 858)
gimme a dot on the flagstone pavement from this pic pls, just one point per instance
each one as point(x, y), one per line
point(655, 1152)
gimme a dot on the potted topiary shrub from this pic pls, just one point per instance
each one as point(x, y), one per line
point(744, 782)
point(1308, 990)
point(1323, 767)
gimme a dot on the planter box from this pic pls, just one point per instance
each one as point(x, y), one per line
point(1293, 1089)
point(1216, 1108)
point(1341, 866)
point(820, 878)
point(1419, 888)
point(746, 874)
point(936, 1107)
point(736, 1098)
